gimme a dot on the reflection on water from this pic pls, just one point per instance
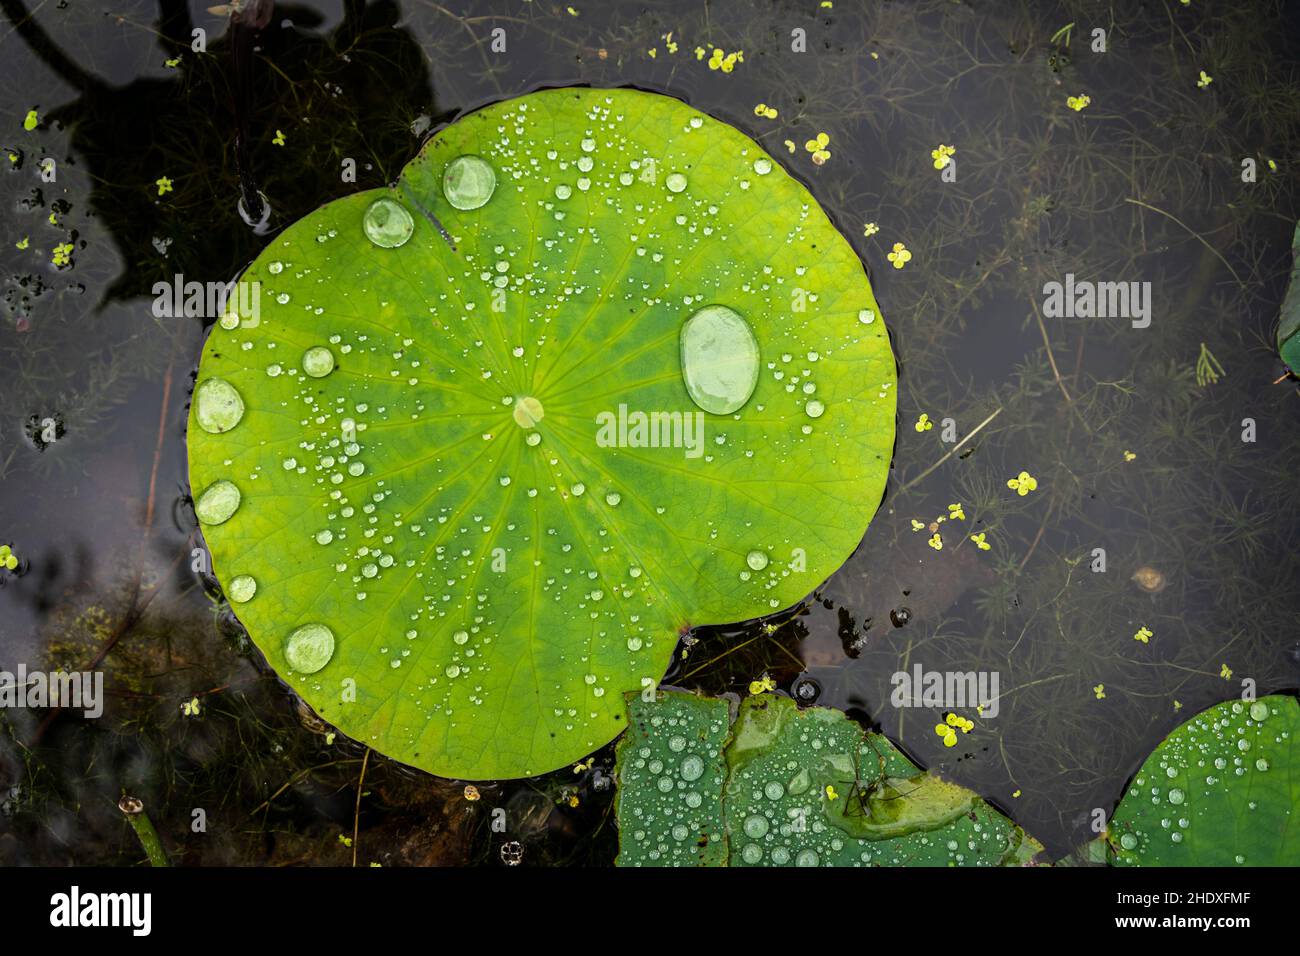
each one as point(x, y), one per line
point(1133, 434)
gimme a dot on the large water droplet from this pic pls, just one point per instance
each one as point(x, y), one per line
point(218, 407)
point(1258, 711)
point(692, 768)
point(468, 182)
point(309, 648)
point(757, 560)
point(318, 361)
point(217, 503)
point(387, 223)
point(719, 359)
point(676, 182)
point(242, 588)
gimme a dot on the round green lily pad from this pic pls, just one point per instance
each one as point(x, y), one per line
point(497, 492)
point(1222, 790)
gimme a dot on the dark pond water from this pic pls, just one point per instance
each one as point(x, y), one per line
point(1134, 451)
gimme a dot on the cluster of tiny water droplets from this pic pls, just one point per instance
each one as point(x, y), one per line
point(776, 809)
point(1202, 770)
point(670, 780)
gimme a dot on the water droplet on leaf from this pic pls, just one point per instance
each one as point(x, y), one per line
point(387, 224)
point(468, 182)
point(218, 406)
point(719, 359)
point(217, 503)
point(318, 361)
point(309, 648)
point(242, 588)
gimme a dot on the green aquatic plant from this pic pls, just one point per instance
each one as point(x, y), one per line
point(495, 436)
point(1208, 368)
point(785, 786)
point(1221, 790)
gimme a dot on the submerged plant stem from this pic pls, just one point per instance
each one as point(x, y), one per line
point(952, 451)
point(133, 809)
point(1199, 238)
point(356, 816)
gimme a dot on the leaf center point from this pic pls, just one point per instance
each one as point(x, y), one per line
point(528, 412)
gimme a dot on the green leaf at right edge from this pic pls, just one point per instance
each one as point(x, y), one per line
point(1288, 331)
point(775, 808)
point(1221, 790)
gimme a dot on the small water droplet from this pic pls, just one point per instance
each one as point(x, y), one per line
point(800, 782)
